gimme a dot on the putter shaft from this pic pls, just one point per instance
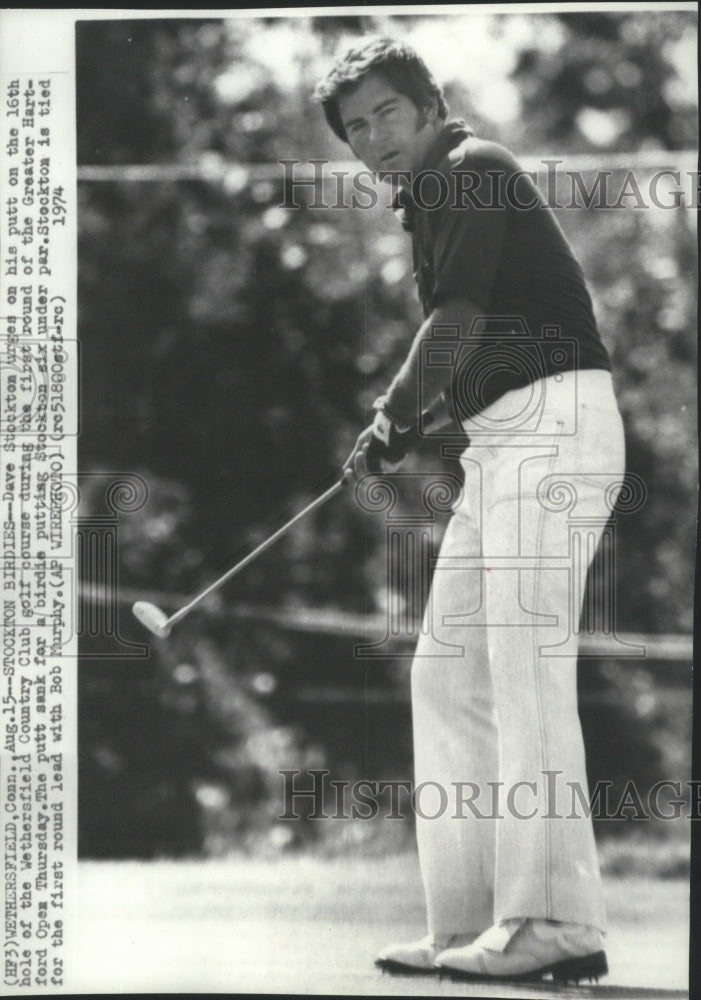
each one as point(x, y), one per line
point(320, 500)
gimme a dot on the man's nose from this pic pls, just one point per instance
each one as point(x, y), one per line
point(377, 132)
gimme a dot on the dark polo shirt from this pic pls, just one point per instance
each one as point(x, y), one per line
point(482, 231)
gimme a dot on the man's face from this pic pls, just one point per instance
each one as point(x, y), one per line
point(385, 129)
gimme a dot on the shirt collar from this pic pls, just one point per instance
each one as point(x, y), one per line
point(450, 136)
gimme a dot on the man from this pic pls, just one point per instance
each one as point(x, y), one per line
point(513, 891)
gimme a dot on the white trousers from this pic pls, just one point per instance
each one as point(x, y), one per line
point(496, 726)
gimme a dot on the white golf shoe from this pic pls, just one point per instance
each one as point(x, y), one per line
point(419, 956)
point(527, 949)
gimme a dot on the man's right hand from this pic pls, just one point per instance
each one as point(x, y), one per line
point(356, 463)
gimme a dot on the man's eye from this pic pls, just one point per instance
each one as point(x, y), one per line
point(387, 112)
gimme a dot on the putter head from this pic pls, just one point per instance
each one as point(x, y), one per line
point(153, 618)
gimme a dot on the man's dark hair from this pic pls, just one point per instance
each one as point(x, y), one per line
point(397, 62)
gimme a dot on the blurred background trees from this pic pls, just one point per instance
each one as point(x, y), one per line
point(231, 352)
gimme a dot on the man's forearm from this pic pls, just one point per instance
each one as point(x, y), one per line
point(417, 385)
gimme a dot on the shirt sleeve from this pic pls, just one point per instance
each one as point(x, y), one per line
point(468, 242)
point(469, 229)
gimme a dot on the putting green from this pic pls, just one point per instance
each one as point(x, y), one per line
point(309, 925)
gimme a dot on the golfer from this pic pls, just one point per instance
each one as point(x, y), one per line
point(513, 892)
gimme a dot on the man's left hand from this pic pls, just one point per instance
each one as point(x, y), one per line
point(388, 445)
point(381, 448)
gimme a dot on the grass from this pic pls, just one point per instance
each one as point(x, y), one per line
point(302, 924)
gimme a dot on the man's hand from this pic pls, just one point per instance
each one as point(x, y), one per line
point(355, 465)
point(382, 447)
point(389, 444)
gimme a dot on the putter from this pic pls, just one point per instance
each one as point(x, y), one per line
point(160, 624)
